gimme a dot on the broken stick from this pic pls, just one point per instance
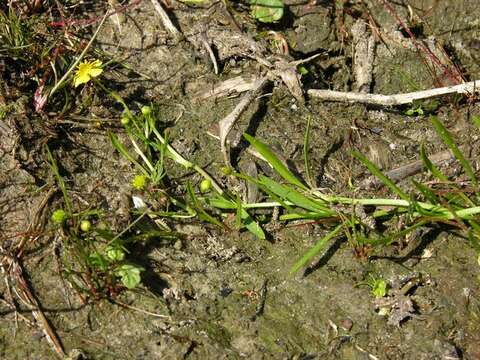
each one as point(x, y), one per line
point(226, 124)
point(396, 99)
point(177, 35)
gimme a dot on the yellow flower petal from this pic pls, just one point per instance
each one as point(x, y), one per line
point(81, 79)
point(86, 71)
point(95, 72)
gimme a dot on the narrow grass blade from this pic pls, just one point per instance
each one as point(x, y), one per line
point(387, 240)
point(429, 194)
point(252, 225)
point(315, 249)
point(474, 235)
point(287, 193)
point(306, 145)
point(273, 160)
point(220, 202)
point(266, 190)
point(431, 166)
point(202, 214)
point(378, 173)
point(60, 182)
point(306, 216)
point(448, 140)
point(122, 150)
point(238, 217)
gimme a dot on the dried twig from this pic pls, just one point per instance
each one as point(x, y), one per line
point(234, 85)
point(131, 307)
point(226, 124)
point(396, 99)
point(23, 291)
point(167, 23)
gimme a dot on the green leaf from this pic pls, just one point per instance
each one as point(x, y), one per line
point(252, 225)
point(302, 70)
point(220, 202)
point(476, 120)
point(306, 145)
point(129, 275)
point(448, 140)
point(58, 177)
point(202, 214)
point(378, 173)
point(410, 112)
point(431, 166)
point(274, 161)
point(267, 11)
point(429, 194)
point(124, 152)
point(315, 249)
point(295, 197)
point(379, 288)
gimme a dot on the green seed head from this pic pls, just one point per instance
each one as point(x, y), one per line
point(85, 225)
point(146, 110)
point(205, 186)
point(59, 216)
point(125, 120)
point(139, 182)
point(227, 170)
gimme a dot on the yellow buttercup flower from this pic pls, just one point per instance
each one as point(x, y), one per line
point(87, 70)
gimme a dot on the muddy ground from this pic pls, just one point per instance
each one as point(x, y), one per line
point(227, 294)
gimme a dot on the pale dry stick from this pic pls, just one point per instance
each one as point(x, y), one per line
point(226, 124)
point(231, 86)
point(146, 312)
point(408, 170)
point(205, 43)
point(167, 23)
point(396, 99)
point(29, 300)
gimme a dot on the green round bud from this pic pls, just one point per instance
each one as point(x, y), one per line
point(139, 182)
point(59, 216)
point(205, 186)
point(226, 170)
point(125, 120)
point(146, 110)
point(85, 225)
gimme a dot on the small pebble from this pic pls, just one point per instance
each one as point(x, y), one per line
point(178, 245)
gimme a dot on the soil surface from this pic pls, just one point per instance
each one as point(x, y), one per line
point(225, 294)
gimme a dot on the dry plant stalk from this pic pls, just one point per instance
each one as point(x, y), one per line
point(396, 99)
point(167, 23)
point(22, 290)
point(226, 124)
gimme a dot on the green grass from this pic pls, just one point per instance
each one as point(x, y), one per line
point(424, 207)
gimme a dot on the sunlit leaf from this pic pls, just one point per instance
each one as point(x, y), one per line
point(273, 160)
point(267, 11)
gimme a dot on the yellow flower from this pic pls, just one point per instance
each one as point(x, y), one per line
point(87, 70)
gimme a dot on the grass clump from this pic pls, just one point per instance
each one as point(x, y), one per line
point(455, 207)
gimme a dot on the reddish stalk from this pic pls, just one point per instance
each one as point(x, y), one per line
point(455, 76)
point(94, 19)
